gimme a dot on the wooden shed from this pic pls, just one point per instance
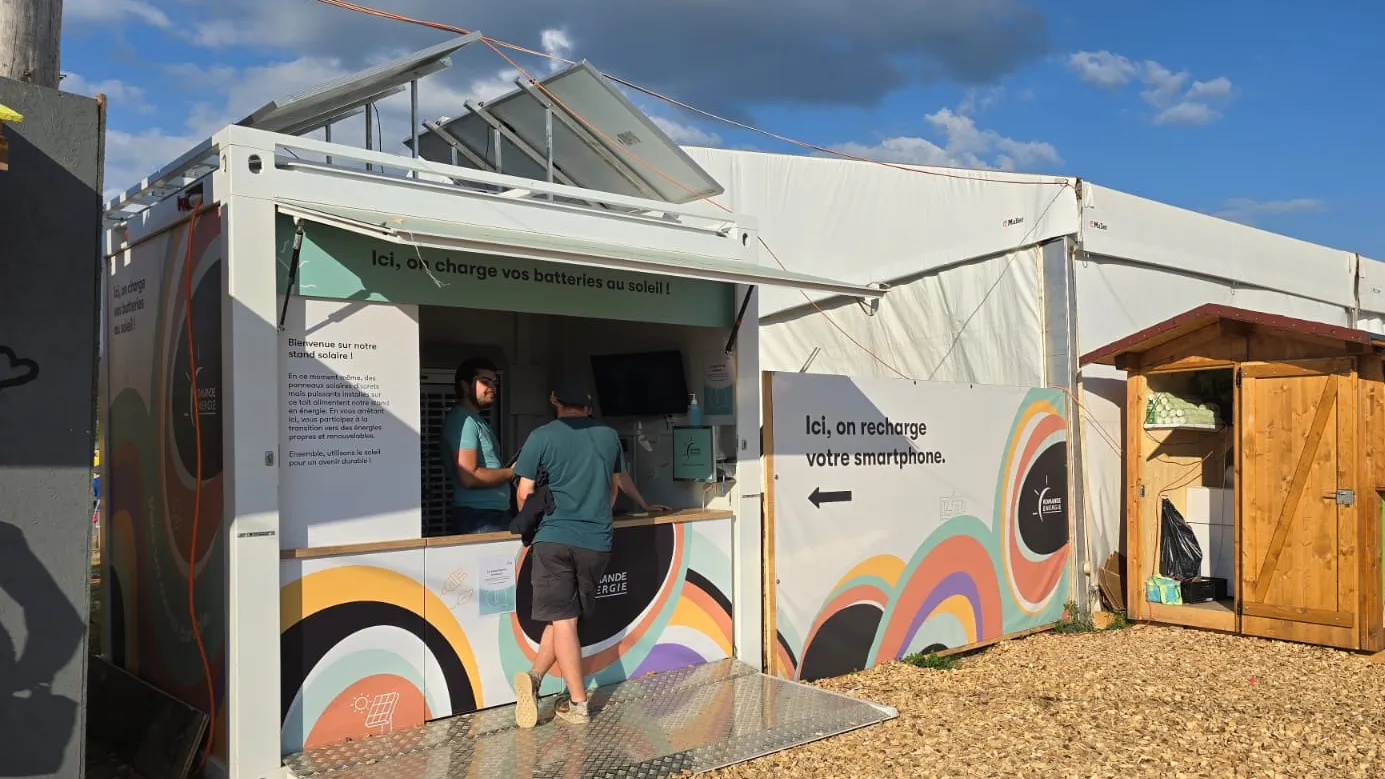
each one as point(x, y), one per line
point(1262, 438)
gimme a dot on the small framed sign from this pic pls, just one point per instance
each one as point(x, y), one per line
point(694, 458)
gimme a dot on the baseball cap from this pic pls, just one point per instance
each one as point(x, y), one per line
point(573, 391)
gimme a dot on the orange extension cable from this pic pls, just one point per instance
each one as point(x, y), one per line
point(197, 492)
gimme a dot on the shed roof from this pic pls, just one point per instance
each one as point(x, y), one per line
point(1213, 313)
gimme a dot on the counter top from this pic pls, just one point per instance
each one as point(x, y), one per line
point(624, 520)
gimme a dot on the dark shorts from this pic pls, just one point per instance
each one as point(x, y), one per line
point(565, 580)
point(463, 520)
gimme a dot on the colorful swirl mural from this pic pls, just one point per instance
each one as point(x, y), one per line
point(367, 650)
point(151, 483)
point(382, 642)
point(969, 581)
point(656, 613)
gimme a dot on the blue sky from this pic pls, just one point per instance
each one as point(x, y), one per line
point(1262, 112)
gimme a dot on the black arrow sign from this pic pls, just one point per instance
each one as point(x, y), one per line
point(819, 497)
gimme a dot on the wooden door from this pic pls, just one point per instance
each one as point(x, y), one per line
point(1297, 526)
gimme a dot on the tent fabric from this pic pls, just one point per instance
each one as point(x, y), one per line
point(1116, 298)
point(862, 222)
point(1124, 226)
point(1371, 289)
point(436, 233)
point(941, 241)
point(979, 322)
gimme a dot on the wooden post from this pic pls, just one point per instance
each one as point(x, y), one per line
point(30, 31)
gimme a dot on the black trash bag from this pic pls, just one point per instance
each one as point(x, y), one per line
point(1180, 555)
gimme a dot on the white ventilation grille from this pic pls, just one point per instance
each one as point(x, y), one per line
point(436, 397)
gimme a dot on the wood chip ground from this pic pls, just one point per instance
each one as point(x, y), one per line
point(1141, 702)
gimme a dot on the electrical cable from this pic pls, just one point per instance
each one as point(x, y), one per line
point(495, 45)
point(197, 490)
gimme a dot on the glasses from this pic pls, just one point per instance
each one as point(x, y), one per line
point(488, 381)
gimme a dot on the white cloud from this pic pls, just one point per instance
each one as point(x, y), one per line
point(1163, 89)
point(133, 156)
point(1102, 68)
point(1246, 210)
point(120, 94)
point(686, 134)
point(964, 145)
point(977, 100)
point(107, 11)
point(1217, 87)
point(1186, 112)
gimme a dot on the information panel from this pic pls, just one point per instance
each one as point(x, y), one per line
point(349, 457)
point(912, 517)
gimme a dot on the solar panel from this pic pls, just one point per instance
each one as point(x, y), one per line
point(295, 115)
point(596, 139)
point(335, 100)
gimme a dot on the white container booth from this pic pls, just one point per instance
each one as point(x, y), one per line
point(277, 369)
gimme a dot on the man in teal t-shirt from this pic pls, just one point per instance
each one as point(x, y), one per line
point(582, 459)
point(480, 485)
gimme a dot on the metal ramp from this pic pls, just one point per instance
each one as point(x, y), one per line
point(691, 720)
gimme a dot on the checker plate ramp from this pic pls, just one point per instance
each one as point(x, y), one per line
point(686, 721)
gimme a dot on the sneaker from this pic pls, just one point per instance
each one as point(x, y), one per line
point(572, 712)
point(526, 700)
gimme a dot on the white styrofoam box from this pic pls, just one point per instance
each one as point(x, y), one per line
point(1226, 516)
point(1204, 533)
point(1224, 556)
point(1210, 505)
point(1199, 506)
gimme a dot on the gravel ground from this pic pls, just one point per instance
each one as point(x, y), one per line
point(1142, 702)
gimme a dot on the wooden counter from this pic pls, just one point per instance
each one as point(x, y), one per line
point(660, 518)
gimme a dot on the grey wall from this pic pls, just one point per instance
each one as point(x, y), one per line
point(50, 232)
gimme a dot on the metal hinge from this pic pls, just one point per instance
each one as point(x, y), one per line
point(1142, 490)
point(1238, 377)
point(1346, 497)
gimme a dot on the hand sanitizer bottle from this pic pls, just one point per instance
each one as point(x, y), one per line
point(694, 411)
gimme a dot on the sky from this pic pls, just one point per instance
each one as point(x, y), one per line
point(1266, 113)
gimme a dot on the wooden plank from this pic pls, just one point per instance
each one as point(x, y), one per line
point(1299, 632)
point(1193, 363)
point(1341, 619)
point(1262, 370)
point(1193, 616)
point(1302, 467)
point(957, 650)
point(1197, 343)
point(337, 550)
point(1135, 575)
point(1369, 479)
point(1241, 422)
point(1346, 562)
point(770, 583)
point(677, 517)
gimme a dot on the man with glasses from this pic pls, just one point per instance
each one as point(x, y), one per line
point(480, 483)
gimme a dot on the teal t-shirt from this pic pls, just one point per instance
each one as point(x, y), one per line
point(465, 430)
point(580, 455)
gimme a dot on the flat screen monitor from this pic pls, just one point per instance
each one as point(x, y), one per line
point(645, 384)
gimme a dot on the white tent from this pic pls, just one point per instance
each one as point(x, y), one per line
point(1003, 278)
